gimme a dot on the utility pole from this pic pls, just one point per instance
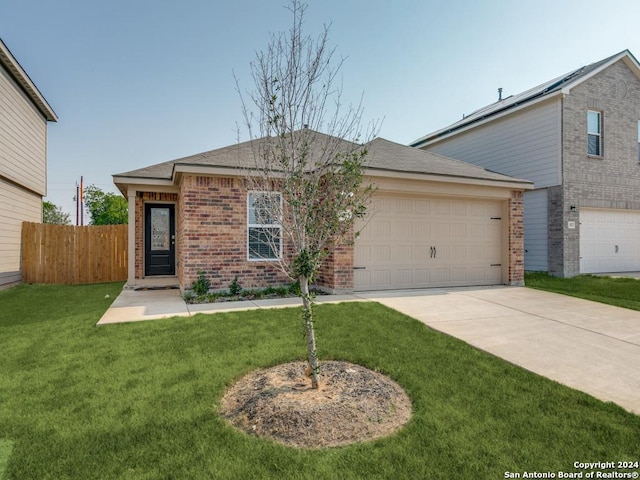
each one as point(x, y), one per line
point(77, 204)
point(80, 202)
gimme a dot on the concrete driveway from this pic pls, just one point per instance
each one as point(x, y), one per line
point(586, 345)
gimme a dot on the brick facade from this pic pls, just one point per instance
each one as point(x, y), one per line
point(336, 274)
point(211, 236)
point(611, 181)
point(516, 238)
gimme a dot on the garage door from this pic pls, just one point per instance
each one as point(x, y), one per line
point(609, 240)
point(417, 242)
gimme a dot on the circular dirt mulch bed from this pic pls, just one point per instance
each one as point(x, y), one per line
point(353, 404)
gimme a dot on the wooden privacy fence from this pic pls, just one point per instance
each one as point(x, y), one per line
point(66, 254)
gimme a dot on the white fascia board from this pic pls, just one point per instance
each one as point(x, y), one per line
point(513, 185)
point(125, 184)
point(624, 56)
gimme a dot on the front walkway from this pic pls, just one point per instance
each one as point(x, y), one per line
point(586, 345)
point(139, 305)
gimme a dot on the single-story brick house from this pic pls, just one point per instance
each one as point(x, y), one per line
point(433, 222)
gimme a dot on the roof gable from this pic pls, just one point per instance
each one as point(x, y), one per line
point(559, 85)
point(9, 62)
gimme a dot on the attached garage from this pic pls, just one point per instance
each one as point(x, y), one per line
point(437, 222)
point(427, 241)
point(609, 240)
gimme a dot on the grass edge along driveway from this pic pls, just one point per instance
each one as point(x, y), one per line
point(616, 291)
point(139, 400)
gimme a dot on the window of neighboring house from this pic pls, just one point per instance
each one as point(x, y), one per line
point(263, 225)
point(639, 141)
point(594, 133)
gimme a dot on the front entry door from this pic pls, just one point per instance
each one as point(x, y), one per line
point(159, 241)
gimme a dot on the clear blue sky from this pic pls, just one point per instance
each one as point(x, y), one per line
point(138, 82)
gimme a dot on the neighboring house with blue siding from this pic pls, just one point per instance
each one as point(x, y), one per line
point(24, 114)
point(577, 137)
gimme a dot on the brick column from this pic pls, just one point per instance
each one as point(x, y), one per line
point(516, 238)
point(336, 273)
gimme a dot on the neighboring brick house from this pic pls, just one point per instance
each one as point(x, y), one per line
point(434, 222)
point(24, 114)
point(577, 137)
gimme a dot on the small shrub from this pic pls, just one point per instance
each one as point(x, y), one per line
point(201, 284)
point(280, 291)
point(235, 288)
point(294, 289)
point(252, 294)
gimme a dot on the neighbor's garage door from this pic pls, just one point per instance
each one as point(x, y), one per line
point(412, 242)
point(609, 240)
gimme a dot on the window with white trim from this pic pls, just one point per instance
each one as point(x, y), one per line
point(594, 133)
point(264, 231)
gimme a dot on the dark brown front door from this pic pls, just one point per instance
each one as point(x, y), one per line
point(159, 240)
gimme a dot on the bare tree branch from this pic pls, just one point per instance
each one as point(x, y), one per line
point(309, 152)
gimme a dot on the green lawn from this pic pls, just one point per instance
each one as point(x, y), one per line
point(139, 401)
point(621, 292)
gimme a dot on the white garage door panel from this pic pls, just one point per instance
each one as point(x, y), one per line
point(394, 249)
point(609, 240)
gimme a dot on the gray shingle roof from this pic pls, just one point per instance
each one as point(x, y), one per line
point(383, 155)
point(393, 157)
point(546, 89)
point(240, 156)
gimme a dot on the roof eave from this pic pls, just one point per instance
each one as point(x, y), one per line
point(514, 184)
point(123, 182)
point(20, 76)
point(626, 56)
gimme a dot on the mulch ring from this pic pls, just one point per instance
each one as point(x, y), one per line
point(353, 404)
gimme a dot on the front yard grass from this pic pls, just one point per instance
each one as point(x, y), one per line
point(621, 292)
point(140, 400)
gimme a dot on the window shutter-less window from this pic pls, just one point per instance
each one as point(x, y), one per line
point(264, 231)
point(594, 133)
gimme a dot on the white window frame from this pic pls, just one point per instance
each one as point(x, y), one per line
point(262, 226)
point(597, 134)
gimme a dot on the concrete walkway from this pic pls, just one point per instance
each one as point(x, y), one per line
point(586, 345)
point(139, 305)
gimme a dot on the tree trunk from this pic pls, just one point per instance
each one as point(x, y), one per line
point(307, 314)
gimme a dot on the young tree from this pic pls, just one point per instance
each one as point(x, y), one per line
point(52, 213)
point(105, 208)
point(310, 184)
